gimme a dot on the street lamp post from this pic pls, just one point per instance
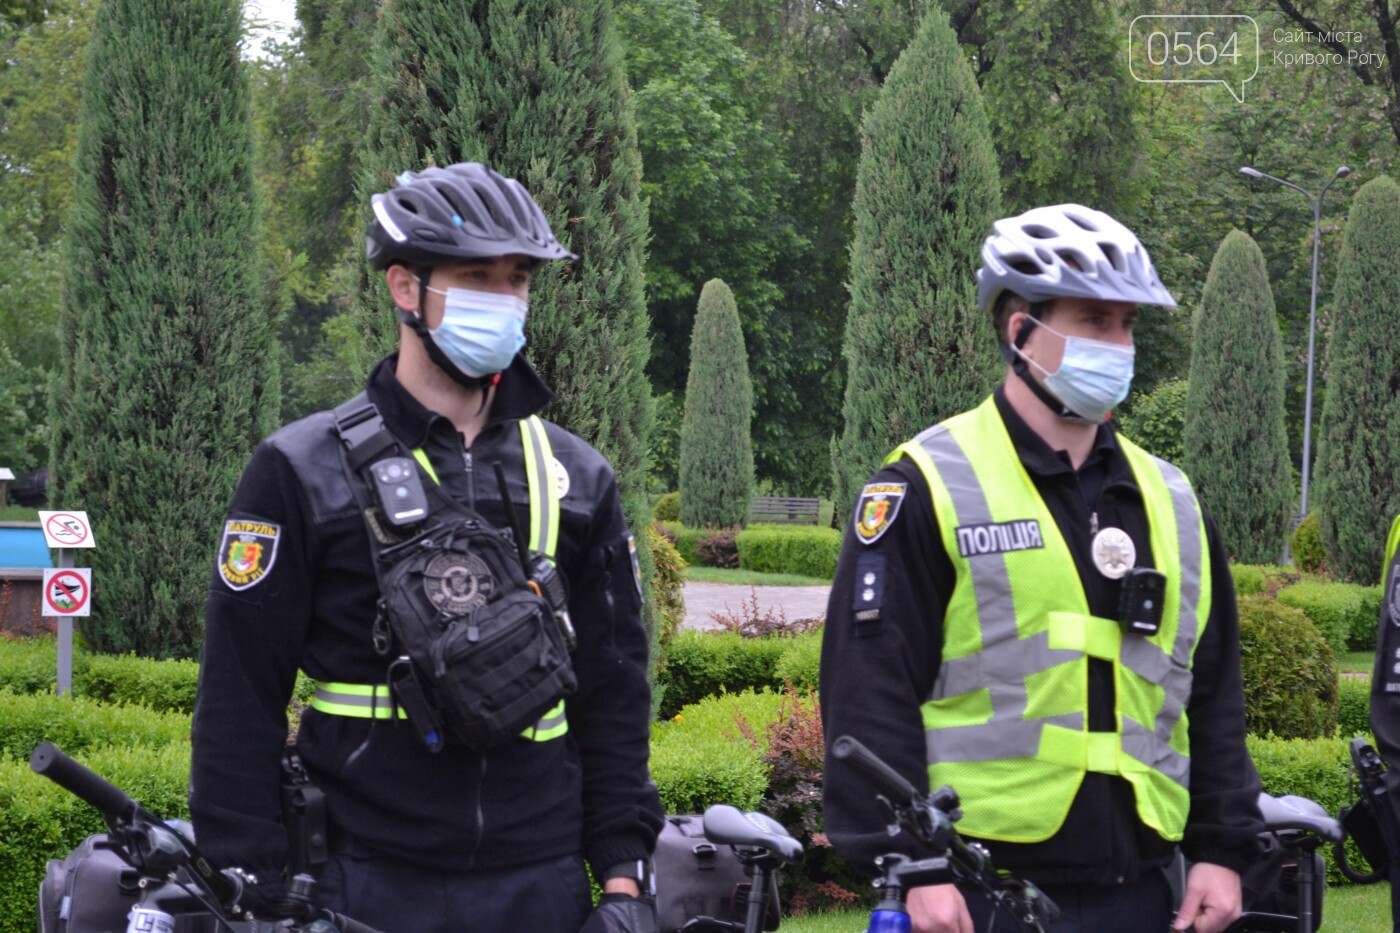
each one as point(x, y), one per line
point(1316, 202)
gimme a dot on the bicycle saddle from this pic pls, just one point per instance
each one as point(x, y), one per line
point(728, 826)
point(1292, 812)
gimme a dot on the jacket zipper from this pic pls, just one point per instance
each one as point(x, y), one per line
point(471, 481)
point(480, 815)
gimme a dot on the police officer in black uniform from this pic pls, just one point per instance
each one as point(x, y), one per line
point(422, 839)
point(1385, 701)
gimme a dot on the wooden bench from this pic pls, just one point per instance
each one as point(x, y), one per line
point(784, 510)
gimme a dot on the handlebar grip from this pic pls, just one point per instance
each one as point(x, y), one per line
point(80, 780)
point(884, 778)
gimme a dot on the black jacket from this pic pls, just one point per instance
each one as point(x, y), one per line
point(525, 802)
point(879, 668)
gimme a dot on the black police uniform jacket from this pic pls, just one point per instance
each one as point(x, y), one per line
point(311, 606)
point(878, 667)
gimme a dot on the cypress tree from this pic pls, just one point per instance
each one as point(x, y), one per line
point(1358, 454)
point(1235, 443)
point(916, 348)
point(536, 89)
point(716, 454)
point(169, 372)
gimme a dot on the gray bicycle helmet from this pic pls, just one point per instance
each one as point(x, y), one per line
point(463, 211)
point(1066, 251)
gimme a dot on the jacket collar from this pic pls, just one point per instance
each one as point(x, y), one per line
point(1038, 458)
point(521, 393)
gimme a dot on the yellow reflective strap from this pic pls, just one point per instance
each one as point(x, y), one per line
point(359, 701)
point(552, 725)
point(543, 479)
point(426, 464)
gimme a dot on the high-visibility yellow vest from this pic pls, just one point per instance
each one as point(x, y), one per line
point(1392, 544)
point(1007, 724)
point(373, 701)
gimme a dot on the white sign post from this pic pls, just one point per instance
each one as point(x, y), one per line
point(67, 591)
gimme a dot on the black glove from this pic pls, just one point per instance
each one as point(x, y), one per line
point(622, 913)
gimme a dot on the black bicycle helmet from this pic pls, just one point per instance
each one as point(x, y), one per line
point(463, 211)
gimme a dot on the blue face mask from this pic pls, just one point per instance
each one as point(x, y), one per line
point(480, 332)
point(1094, 376)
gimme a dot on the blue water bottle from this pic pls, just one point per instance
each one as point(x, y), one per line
point(883, 920)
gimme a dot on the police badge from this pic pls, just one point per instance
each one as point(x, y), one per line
point(876, 508)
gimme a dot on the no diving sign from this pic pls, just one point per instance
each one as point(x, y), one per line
point(66, 529)
point(67, 592)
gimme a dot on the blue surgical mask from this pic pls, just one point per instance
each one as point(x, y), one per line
point(1094, 375)
point(480, 332)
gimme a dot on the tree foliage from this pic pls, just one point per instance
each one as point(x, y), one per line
point(917, 350)
point(716, 476)
point(1235, 443)
point(536, 89)
point(1157, 419)
point(168, 374)
point(1358, 469)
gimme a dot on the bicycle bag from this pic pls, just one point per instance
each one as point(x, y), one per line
point(91, 890)
point(703, 884)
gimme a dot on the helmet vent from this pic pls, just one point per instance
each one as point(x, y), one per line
point(1074, 260)
point(1039, 231)
point(1023, 264)
point(1115, 256)
point(1083, 223)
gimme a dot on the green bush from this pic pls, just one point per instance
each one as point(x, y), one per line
point(712, 751)
point(1290, 675)
point(667, 508)
point(667, 584)
point(1337, 609)
point(1155, 419)
point(76, 724)
point(1261, 578)
point(800, 662)
point(40, 821)
point(1363, 625)
point(30, 665)
point(1353, 706)
point(1306, 546)
point(701, 664)
point(799, 549)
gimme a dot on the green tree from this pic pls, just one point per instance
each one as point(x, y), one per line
point(717, 192)
point(1060, 102)
point(1157, 418)
point(716, 454)
point(1235, 444)
point(1358, 468)
point(535, 88)
point(169, 371)
point(916, 348)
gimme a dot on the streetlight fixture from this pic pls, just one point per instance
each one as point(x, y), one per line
point(1316, 201)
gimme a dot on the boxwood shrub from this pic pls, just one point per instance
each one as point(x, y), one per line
point(1353, 706)
point(75, 724)
point(799, 549)
point(712, 752)
point(1290, 675)
point(1261, 578)
point(1345, 613)
point(699, 664)
point(800, 662)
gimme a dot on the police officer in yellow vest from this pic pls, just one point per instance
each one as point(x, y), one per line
point(1385, 699)
point(1036, 611)
point(430, 831)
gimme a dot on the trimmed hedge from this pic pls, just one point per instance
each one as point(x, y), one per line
point(712, 752)
point(800, 662)
point(1353, 706)
point(799, 549)
point(1290, 674)
point(30, 666)
point(1260, 578)
point(1305, 545)
point(75, 724)
point(702, 664)
point(39, 820)
point(1342, 612)
point(667, 508)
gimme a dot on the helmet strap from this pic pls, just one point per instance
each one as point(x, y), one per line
point(1021, 368)
point(416, 324)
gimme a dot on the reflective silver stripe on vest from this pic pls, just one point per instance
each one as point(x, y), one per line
point(1007, 734)
point(545, 492)
point(1150, 662)
point(548, 722)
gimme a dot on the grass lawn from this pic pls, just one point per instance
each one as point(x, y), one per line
point(1363, 662)
point(696, 573)
point(18, 513)
point(1349, 909)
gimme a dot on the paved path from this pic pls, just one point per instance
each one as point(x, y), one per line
point(795, 602)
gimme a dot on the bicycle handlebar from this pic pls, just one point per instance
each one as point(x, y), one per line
point(81, 781)
point(881, 776)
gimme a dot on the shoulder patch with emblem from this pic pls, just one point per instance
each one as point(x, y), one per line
point(636, 564)
point(247, 552)
point(876, 508)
